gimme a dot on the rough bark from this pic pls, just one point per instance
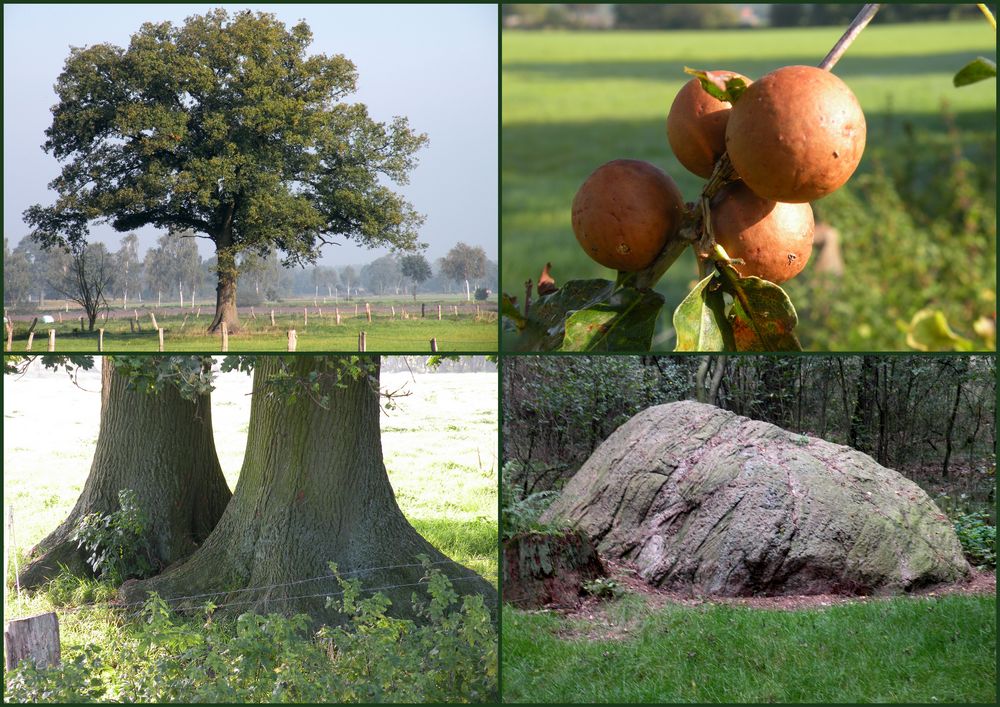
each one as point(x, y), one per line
point(313, 489)
point(700, 498)
point(160, 446)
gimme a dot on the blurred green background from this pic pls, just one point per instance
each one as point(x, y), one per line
point(916, 223)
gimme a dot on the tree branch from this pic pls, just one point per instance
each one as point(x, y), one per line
point(852, 32)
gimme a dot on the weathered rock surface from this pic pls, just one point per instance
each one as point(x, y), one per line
point(699, 497)
point(545, 569)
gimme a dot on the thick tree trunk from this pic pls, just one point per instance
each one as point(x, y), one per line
point(225, 291)
point(313, 490)
point(161, 447)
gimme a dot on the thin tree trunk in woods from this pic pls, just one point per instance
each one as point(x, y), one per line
point(950, 430)
point(160, 446)
point(313, 490)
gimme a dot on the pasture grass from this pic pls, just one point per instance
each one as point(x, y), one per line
point(905, 649)
point(464, 332)
point(572, 101)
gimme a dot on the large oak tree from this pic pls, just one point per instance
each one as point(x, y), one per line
point(225, 126)
point(159, 445)
point(313, 490)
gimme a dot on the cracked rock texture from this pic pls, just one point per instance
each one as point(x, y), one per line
point(702, 498)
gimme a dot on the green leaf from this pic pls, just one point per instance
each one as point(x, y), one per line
point(509, 311)
point(979, 69)
point(700, 320)
point(545, 324)
point(929, 331)
point(624, 323)
point(719, 85)
point(762, 315)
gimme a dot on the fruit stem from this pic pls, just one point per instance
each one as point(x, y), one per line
point(989, 15)
point(852, 32)
point(668, 256)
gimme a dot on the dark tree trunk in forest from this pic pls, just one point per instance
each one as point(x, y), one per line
point(950, 431)
point(859, 434)
point(160, 446)
point(313, 490)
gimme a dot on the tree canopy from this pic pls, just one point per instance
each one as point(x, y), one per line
point(227, 127)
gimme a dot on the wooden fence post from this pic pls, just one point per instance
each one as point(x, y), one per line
point(434, 345)
point(272, 317)
point(355, 309)
point(253, 314)
point(60, 314)
point(439, 312)
point(422, 305)
point(35, 638)
point(393, 307)
point(100, 339)
point(153, 317)
point(338, 316)
point(81, 325)
point(305, 316)
point(368, 311)
point(456, 309)
point(292, 341)
point(225, 336)
point(362, 341)
point(52, 339)
point(159, 334)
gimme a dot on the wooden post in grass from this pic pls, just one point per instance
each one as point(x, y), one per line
point(52, 339)
point(100, 339)
point(81, 325)
point(153, 317)
point(272, 317)
point(477, 312)
point(34, 638)
point(305, 316)
point(184, 321)
point(292, 340)
point(434, 345)
point(31, 338)
point(456, 309)
point(338, 316)
point(422, 305)
point(198, 313)
point(225, 336)
point(319, 312)
point(368, 311)
point(131, 326)
point(355, 309)
point(60, 314)
point(362, 341)
point(439, 312)
point(159, 334)
point(393, 308)
point(253, 314)
point(137, 324)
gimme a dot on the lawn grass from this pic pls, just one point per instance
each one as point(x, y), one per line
point(896, 650)
point(572, 101)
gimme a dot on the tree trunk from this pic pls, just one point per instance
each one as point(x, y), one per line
point(313, 490)
point(951, 428)
point(227, 274)
point(161, 447)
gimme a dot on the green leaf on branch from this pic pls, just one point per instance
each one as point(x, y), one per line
point(584, 315)
point(700, 320)
point(979, 69)
point(719, 84)
point(624, 323)
point(929, 331)
point(762, 315)
point(508, 310)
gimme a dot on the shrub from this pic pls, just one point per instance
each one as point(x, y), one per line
point(118, 543)
point(978, 538)
point(603, 588)
point(520, 513)
point(481, 293)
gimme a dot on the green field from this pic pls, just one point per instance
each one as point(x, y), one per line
point(387, 332)
point(575, 100)
point(898, 650)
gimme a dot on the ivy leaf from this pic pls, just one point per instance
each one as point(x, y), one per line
point(762, 315)
point(624, 323)
point(979, 69)
point(700, 319)
point(719, 84)
point(929, 331)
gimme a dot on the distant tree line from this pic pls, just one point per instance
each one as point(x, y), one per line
point(710, 16)
point(932, 418)
point(173, 271)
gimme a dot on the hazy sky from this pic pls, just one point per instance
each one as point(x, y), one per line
point(435, 64)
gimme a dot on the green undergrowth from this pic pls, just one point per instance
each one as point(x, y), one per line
point(896, 650)
point(450, 655)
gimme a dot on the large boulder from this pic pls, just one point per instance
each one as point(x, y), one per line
point(701, 498)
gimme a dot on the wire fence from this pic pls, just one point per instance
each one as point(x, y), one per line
point(178, 600)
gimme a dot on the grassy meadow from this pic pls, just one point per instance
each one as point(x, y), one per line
point(184, 330)
point(575, 100)
point(441, 459)
point(904, 650)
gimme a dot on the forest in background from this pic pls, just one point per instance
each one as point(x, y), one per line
point(930, 418)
